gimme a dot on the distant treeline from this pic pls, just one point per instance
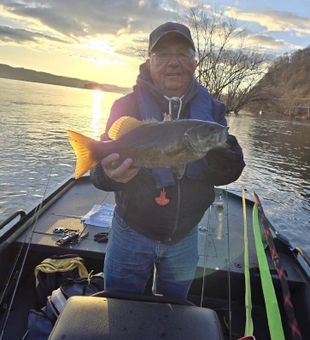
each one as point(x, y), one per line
point(24, 74)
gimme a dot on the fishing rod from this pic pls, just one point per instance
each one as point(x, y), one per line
point(19, 273)
point(211, 212)
point(216, 214)
point(205, 261)
point(248, 332)
point(229, 269)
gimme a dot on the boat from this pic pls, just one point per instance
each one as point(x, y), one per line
point(216, 302)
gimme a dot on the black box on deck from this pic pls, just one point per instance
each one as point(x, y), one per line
point(117, 319)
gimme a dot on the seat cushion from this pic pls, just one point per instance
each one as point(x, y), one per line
point(112, 318)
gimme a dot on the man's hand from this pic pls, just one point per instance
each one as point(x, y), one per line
point(119, 172)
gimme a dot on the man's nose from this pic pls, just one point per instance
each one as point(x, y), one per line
point(173, 60)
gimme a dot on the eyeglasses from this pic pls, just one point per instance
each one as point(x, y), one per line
point(163, 57)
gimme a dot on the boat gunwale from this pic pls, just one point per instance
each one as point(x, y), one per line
point(30, 217)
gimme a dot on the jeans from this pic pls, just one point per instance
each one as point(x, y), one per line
point(131, 257)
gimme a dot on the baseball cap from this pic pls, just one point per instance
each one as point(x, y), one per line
point(167, 28)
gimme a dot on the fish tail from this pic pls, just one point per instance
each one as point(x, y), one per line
point(84, 150)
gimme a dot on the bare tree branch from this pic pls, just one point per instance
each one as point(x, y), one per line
point(225, 66)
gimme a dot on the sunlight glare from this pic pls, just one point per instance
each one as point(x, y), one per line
point(101, 45)
point(97, 112)
point(101, 106)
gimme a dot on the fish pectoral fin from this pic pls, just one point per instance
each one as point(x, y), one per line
point(122, 126)
point(180, 171)
point(83, 148)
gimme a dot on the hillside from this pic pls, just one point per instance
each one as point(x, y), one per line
point(19, 73)
point(285, 89)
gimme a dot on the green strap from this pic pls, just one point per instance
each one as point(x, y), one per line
point(271, 303)
point(248, 300)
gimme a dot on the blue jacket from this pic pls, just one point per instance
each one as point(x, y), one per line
point(190, 196)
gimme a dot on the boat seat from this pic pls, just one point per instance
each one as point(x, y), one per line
point(85, 317)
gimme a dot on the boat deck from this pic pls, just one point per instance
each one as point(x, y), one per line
point(67, 211)
point(220, 242)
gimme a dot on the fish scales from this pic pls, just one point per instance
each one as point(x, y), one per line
point(155, 145)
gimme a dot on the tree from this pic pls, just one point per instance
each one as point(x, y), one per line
point(225, 66)
point(285, 88)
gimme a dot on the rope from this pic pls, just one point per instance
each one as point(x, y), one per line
point(287, 301)
point(175, 99)
point(272, 308)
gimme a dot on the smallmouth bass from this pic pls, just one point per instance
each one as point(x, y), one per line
point(150, 144)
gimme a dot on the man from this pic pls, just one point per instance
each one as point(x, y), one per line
point(156, 214)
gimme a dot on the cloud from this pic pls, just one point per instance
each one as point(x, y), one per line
point(9, 34)
point(78, 18)
point(273, 21)
point(125, 23)
point(261, 41)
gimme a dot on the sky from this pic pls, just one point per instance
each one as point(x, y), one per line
point(98, 39)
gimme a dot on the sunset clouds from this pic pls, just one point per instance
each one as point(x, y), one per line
point(107, 34)
point(274, 21)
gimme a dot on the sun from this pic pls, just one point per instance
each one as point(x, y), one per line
point(100, 44)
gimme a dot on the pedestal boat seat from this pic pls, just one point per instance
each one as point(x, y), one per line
point(114, 318)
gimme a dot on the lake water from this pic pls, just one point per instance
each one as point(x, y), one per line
point(36, 156)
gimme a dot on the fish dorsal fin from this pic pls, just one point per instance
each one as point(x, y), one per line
point(122, 126)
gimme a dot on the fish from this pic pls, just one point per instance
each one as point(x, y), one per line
point(150, 144)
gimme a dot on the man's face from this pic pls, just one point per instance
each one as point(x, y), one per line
point(172, 65)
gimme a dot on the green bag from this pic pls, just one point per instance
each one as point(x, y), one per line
point(53, 271)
